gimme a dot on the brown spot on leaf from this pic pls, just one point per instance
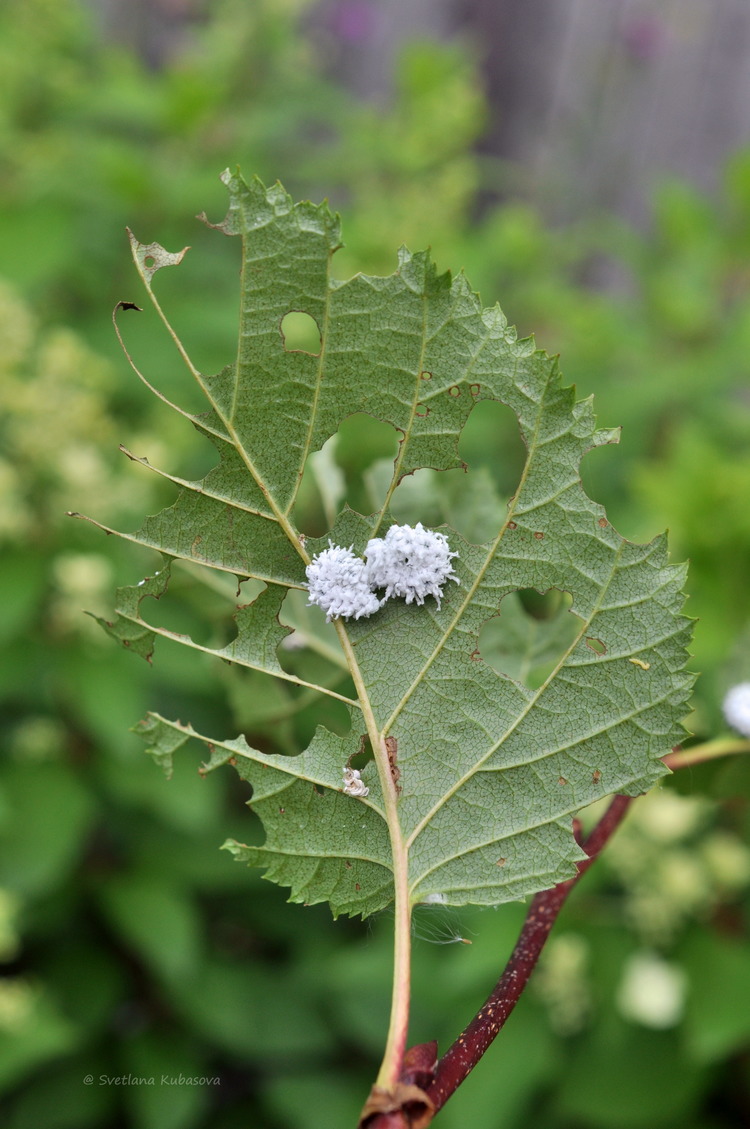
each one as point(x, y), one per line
point(348, 865)
point(282, 811)
point(425, 376)
point(603, 522)
point(561, 780)
point(596, 776)
point(476, 656)
point(512, 525)
point(357, 887)
point(391, 745)
point(501, 862)
point(539, 535)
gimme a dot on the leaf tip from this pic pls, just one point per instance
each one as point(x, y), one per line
point(122, 305)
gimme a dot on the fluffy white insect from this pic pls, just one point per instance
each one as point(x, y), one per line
point(411, 562)
point(737, 708)
point(338, 584)
point(353, 783)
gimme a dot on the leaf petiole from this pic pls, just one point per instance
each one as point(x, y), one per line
point(393, 1057)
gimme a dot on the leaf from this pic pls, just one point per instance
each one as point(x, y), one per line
point(475, 777)
point(320, 842)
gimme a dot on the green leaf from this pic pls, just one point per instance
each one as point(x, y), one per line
point(237, 1008)
point(49, 818)
point(181, 1087)
point(158, 920)
point(475, 777)
point(654, 1091)
point(34, 1031)
point(719, 976)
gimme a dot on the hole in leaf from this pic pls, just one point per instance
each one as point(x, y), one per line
point(310, 632)
point(528, 644)
point(596, 645)
point(362, 440)
point(491, 438)
point(472, 502)
point(313, 652)
point(354, 466)
point(300, 333)
point(540, 605)
point(199, 603)
point(363, 756)
point(149, 261)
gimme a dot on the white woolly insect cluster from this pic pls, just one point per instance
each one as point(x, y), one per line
point(737, 708)
point(409, 562)
point(338, 583)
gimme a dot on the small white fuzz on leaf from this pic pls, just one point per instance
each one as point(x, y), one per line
point(338, 584)
point(411, 562)
point(353, 783)
point(737, 708)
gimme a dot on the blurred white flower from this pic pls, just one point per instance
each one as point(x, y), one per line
point(666, 817)
point(728, 859)
point(652, 991)
point(411, 562)
point(18, 1005)
point(563, 981)
point(737, 708)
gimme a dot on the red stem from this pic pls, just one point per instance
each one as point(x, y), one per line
point(461, 1058)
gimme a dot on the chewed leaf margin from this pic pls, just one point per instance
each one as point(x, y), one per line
point(321, 843)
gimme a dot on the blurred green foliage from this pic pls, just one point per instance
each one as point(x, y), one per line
point(133, 948)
